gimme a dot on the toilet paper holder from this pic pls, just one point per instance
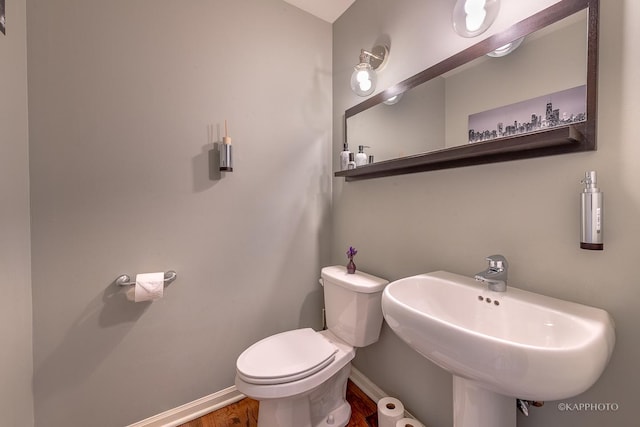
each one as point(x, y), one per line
point(125, 280)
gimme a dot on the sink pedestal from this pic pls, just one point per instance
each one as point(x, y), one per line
point(474, 406)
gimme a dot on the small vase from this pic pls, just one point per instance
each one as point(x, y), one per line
point(351, 267)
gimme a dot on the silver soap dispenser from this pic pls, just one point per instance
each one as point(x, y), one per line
point(591, 214)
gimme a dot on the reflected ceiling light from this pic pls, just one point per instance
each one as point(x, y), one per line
point(364, 78)
point(473, 17)
point(393, 100)
point(506, 49)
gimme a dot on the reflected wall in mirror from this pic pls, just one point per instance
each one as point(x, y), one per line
point(429, 127)
point(415, 124)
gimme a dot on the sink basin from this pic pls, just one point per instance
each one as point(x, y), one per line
point(515, 343)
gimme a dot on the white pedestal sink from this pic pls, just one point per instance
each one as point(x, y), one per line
point(499, 345)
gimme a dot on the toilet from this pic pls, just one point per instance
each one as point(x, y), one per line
point(300, 377)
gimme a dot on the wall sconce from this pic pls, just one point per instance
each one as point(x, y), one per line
point(506, 49)
point(364, 78)
point(473, 17)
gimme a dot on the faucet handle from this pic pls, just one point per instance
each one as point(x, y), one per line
point(498, 262)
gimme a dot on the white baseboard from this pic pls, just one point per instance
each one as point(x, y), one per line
point(367, 386)
point(191, 411)
point(197, 408)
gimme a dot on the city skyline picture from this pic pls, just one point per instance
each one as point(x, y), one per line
point(535, 114)
point(3, 19)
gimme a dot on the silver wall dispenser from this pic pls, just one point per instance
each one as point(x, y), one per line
point(591, 214)
point(226, 158)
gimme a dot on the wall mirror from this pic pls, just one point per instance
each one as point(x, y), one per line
point(474, 108)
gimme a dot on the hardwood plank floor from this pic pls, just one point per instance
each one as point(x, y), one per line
point(245, 412)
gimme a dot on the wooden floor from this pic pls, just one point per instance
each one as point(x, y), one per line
point(245, 412)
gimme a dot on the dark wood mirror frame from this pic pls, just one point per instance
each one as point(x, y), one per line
point(560, 140)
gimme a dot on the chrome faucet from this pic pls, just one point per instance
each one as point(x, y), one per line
point(496, 275)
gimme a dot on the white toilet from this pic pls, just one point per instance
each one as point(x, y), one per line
point(300, 376)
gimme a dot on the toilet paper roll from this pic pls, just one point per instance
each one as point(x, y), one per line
point(390, 411)
point(149, 287)
point(408, 422)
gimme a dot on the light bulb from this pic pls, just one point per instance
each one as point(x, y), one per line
point(472, 7)
point(473, 17)
point(362, 76)
point(363, 79)
point(475, 20)
point(365, 85)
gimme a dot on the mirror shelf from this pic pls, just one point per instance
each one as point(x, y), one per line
point(576, 137)
point(560, 140)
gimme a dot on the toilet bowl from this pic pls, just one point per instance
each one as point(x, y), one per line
point(300, 376)
point(290, 399)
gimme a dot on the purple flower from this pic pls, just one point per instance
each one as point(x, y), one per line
point(351, 252)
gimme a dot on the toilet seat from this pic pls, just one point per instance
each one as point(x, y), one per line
point(286, 357)
point(341, 360)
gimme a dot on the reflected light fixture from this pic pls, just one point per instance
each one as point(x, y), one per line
point(473, 17)
point(506, 49)
point(393, 100)
point(364, 78)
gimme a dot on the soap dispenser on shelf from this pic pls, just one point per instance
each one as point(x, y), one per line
point(344, 157)
point(361, 157)
point(352, 162)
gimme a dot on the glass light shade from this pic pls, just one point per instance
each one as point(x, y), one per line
point(363, 79)
point(473, 17)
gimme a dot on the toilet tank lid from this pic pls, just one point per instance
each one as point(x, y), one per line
point(357, 282)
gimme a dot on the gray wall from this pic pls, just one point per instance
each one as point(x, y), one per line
point(16, 360)
point(527, 210)
point(122, 98)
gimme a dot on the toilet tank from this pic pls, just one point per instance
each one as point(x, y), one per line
point(353, 305)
